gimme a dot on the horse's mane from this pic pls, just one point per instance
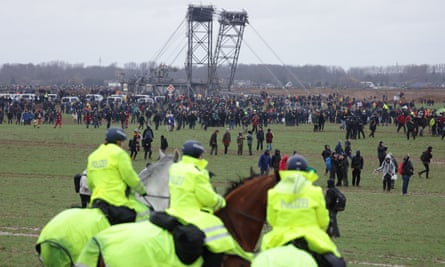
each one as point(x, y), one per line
point(235, 184)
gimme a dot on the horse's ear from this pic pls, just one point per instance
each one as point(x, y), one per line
point(176, 155)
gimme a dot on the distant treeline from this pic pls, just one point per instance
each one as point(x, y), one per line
point(249, 76)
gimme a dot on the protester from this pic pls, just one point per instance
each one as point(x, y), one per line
point(147, 139)
point(331, 201)
point(269, 139)
point(357, 164)
point(84, 191)
point(214, 143)
point(381, 152)
point(259, 138)
point(275, 160)
point(249, 141)
point(407, 172)
point(226, 140)
point(426, 157)
point(134, 144)
point(388, 169)
point(164, 144)
point(264, 162)
point(240, 142)
point(326, 154)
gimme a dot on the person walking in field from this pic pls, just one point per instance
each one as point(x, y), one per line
point(249, 141)
point(164, 144)
point(426, 157)
point(213, 143)
point(134, 144)
point(226, 140)
point(240, 142)
point(58, 119)
point(269, 139)
point(264, 163)
point(388, 170)
point(407, 172)
point(147, 139)
point(260, 139)
point(357, 163)
point(331, 199)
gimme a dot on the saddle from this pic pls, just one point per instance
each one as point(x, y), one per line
point(188, 239)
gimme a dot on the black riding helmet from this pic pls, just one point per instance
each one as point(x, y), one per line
point(115, 134)
point(192, 148)
point(297, 163)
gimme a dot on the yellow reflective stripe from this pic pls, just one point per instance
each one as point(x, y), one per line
point(215, 232)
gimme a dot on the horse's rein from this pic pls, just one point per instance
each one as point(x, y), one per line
point(150, 206)
point(237, 211)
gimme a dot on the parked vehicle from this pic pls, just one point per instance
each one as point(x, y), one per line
point(94, 97)
point(25, 97)
point(69, 100)
point(144, 99)
point(52, 97)
point(116, 99)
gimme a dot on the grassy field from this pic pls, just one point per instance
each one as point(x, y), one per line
point(377, 229)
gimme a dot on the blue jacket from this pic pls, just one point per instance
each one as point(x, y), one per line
point(264, 162)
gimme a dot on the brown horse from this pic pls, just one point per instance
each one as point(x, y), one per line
point(245, 213)
point(244, 217)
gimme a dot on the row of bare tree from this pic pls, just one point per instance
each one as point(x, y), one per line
point(308, 76)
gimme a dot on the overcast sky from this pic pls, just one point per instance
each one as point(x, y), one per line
point(345, 33)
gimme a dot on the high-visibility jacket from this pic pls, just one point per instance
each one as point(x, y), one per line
point(193, 200)
point(284, 257)
point(110, 172)
point(137, 244)
point(66, 234)
point(296, 208)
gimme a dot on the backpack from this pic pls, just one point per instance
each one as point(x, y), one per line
point(423, 157)
point(400, 169)
point(340, 202)
point(328, 163)
point(77, 182)
point(148, 136)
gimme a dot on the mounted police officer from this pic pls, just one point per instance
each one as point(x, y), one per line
point(193, 201)
point(296, 210)
point(111, 178)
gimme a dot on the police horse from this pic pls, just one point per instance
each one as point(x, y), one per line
point(155, 179)
point(145, 244)
point(62, 239)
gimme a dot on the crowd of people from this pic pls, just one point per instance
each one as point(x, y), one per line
point(179, 111)
point(298, 211)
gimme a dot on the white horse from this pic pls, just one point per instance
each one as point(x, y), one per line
point(63, 237)
point(155, 179)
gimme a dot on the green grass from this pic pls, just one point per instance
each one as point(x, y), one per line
point(377, 229)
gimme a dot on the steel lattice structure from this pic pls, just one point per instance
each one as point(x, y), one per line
point(200, 36)
point(228, 46)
